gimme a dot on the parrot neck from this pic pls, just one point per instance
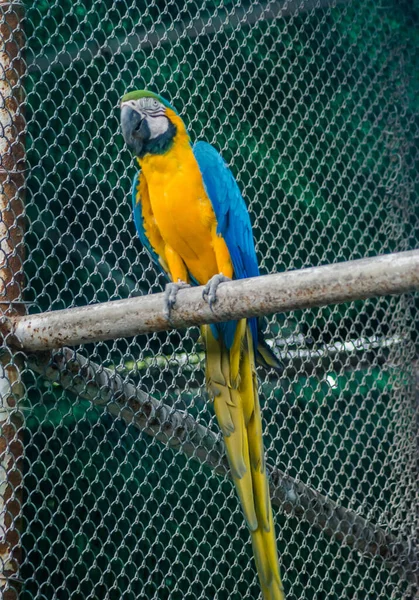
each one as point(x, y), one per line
point(173, 157)
point(160, 144)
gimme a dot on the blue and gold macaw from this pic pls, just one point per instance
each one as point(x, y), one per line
point(191, 217)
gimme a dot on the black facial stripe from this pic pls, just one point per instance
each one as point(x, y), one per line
point(157, 114)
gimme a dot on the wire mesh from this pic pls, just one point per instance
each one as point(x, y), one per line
point(314, 105)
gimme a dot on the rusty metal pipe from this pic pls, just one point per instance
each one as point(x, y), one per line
point(12, 179)
point(317, 286)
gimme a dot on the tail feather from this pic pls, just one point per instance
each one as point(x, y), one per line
point(264, 353)
point(237, 451)
point(254, 434)
point(236, 353)
point(231, 380)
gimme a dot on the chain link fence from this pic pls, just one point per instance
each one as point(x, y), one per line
point(314, 105)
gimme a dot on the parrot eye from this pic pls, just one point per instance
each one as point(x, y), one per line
point(155, 103)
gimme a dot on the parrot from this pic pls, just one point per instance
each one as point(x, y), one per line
point(192, 219)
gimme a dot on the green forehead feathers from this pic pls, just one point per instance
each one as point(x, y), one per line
point(137, 94)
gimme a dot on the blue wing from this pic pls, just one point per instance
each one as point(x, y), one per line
point(233, 221)
point(139, 224)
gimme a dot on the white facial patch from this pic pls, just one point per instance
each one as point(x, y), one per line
point(157, 125)
point(153, 111)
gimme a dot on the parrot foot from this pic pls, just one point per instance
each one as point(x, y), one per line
point(210, 290)
point(170, 295)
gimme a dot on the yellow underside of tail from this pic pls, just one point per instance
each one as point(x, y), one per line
point(232, 383)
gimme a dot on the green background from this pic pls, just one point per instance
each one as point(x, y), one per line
point(317, 115)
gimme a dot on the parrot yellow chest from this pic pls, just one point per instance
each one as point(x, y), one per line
point(181, 208)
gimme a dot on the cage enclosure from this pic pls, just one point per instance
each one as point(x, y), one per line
point(314, 106)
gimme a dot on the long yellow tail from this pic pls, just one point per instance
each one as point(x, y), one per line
point(231, 381)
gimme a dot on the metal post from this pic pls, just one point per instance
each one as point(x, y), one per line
point(12, 179)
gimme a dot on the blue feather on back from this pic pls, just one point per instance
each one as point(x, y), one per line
point(233, 225)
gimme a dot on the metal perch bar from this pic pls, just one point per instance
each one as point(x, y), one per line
point(180, 431)
point(357, 353)
point(306, 288)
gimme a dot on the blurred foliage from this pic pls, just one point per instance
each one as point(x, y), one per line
point(327, 155)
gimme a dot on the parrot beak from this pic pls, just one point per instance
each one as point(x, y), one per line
point(134, 129)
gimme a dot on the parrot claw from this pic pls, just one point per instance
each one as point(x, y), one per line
point(170, 295)
point(210, 290)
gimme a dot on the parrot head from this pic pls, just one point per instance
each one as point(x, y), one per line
point(149, 122)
